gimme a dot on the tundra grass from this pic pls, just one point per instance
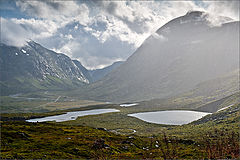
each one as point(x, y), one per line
point(218, 139)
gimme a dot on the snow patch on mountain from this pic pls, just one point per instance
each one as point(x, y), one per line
point(23, 51)
point(128, 104)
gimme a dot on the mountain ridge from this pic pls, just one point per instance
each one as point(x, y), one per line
point(34, 67)
point(164, 66)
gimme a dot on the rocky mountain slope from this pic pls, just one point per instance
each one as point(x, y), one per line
point(34, 67)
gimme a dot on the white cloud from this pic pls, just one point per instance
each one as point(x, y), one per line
point(228, 8)
point(91, 52)
point(39, 28)
point(12, 34)
point(18, 31)
point(69, 48)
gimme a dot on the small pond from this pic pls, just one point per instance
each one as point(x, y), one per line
point(171, 117)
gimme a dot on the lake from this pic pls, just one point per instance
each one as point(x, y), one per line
point(72, 115)
point(171, 117)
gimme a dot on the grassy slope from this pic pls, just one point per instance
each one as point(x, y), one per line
point(26, 140)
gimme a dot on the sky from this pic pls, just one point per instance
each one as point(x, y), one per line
point(95, 32)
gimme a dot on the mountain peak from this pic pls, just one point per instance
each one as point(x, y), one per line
point(32, 43)
point(208, 18)
point(195, 16)
point(192, 20)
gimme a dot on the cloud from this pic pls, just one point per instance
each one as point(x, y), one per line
point(228, 8)
point(12, 34)
point(49, 9)
point(92, 53)
point(17, 31)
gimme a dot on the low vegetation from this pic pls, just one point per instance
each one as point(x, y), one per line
point(213, 137)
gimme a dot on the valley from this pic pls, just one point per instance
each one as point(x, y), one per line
point(73, 90)
point(117, 135)
point(122, 136)
point(112, 121)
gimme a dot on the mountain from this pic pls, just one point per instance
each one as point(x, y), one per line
point(33, 68)
point(83, 69)
point(184, 52)
point(98, 74)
